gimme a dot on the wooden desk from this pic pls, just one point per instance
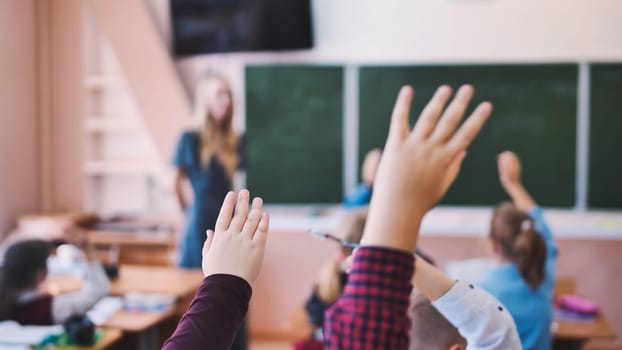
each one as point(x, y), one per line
point(153, 328)
point(152, 279)
point(137, 278)
point(583, 331)
point(150, 248)
point(569, 335)
point(136, 322)
point(149, 328)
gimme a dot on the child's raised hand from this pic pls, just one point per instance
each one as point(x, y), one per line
point(419, 165)
point(237, 247)
point(509, 169)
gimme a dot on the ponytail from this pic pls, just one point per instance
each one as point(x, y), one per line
point(530, 256)
point(513, 231)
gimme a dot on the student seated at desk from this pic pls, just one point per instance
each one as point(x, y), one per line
point(525, 250)
point(23, 270)
point(333, 275)
point(362, 193)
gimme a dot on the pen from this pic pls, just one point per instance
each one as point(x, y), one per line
point(325, 235)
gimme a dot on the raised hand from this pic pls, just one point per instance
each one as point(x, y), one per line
point(237, 247)
point(419, 165)
point(509, 169)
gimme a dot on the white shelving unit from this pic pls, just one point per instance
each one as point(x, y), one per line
point(120, 165)
point(103, 124)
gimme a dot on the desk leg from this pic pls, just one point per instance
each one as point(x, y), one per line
point(567, 344)
point(149, 339)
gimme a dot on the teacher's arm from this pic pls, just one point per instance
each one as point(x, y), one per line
point(180, 177)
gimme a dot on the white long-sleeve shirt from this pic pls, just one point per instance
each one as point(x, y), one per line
point(95, 287)
point(480, 318)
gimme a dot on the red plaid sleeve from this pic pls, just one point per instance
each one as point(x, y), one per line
point(372, 313)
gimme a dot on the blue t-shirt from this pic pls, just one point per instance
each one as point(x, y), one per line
point(358, 198)
point(531, 309)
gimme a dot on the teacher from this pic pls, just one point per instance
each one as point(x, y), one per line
point(206, 156)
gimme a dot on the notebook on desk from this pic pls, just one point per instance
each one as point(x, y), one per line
point(471, 270)
point(13, 335)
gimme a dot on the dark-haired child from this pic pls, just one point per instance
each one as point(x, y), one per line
point(24, 268)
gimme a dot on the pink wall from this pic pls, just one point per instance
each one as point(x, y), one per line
point(19, 187)
point(291, 265)
point(40, 108)
point(67, 103)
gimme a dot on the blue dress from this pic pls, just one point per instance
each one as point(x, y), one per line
point(531, 309)
point(210, 184)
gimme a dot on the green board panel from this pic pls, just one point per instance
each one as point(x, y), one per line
point(605, 185)
point(294, 133)
point(534, 115)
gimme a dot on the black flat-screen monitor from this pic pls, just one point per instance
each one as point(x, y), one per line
point(208, 26)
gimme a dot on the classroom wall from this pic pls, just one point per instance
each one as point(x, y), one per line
point(404, 31)
point(65, 88)
point(347, 31)
point(40, 108)
point(19, 188)
point(351, 31)
point(487, 30)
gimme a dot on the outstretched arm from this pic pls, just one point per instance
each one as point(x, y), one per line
point(478, 316)
point(416, 170)
point(419, 165)
point(232, 258)
point(179, 188)
point(510, 176)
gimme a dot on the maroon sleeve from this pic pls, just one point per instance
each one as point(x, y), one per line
point(372, 312)
point(214, 316)
point(35, 312)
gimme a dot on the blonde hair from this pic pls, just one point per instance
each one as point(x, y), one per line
point(220, 141)
point(329, 284)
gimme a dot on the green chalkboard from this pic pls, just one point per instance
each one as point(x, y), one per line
point(605, 185)
point(534, 115)
point(294, 133)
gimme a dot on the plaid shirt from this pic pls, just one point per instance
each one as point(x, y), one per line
point(372, 313)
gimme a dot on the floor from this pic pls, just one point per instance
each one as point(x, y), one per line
point(270, 345)
point(276, 345)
